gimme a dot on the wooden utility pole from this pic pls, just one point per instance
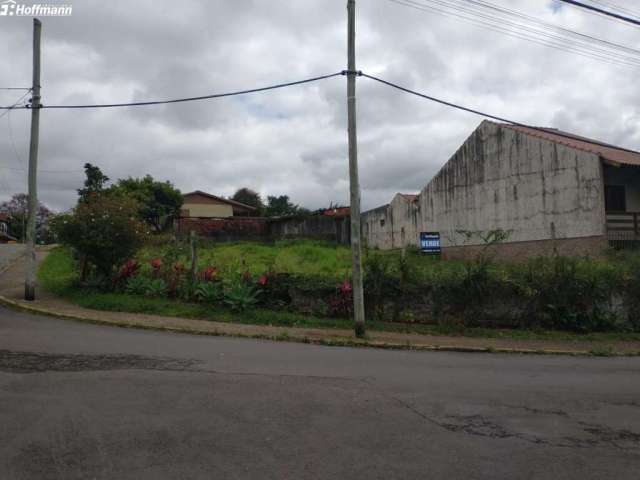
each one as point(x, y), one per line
point(356, 251)
point(30, 279)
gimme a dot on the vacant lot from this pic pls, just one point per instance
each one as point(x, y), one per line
point(305, 286)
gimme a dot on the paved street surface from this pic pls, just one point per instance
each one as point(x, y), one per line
point(84, 401)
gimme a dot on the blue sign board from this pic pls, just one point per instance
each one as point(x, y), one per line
point(430, 242)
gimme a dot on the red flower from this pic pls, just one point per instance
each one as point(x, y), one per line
point(127, 270)
point(263, 280)
point(156, 263)
point(345, 288)
point(209, 274)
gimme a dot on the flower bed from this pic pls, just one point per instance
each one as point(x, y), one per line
point(311, 278)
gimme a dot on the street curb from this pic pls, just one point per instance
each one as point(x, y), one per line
point(289, 336)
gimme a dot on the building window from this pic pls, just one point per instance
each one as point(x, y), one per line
point(382, 222)
point(615, 198)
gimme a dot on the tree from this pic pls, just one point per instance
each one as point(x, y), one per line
point(17, 208)
point(158, 201)
point(281, 206)
point(249, 197)
point(94, 183)
point(104, 232)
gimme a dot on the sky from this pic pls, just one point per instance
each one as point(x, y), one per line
point(291, 141)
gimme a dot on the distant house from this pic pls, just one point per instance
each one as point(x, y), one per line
point(551, 191)
point(205, 205)
point(4, 229)
point(337, 212)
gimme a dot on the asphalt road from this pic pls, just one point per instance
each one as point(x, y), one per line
point(91, 402)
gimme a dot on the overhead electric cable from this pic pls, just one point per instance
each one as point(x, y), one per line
point(15, 105)
point(530, 29)
point(614, 6)
point(491, 116)
point(192, 99)
point(601, 11)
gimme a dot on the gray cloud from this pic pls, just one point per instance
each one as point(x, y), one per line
point(290, 141)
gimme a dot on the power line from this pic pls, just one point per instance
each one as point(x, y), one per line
point(613, 6)
point(529, 29)
point(541, 33)
point(192, 99)
point(491, 116)
point(42, 171)
point(583, 36)
point(15, 105)
point(601, 11)
point(15, 88)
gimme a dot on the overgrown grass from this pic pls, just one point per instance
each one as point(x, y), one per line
point(58, 275)
point(307, 257)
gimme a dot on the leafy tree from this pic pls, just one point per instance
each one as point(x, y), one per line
point(281, 206)
point(249, 197)
point(104, 232)
point(94, 183)
point(158, 201)
point(17, 208)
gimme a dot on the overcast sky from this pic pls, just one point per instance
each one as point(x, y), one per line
point(291, 141)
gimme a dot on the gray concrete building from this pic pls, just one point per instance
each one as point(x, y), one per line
point(550, 190)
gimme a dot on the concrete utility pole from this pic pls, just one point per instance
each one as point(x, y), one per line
point(30, 280)
point(356, 252)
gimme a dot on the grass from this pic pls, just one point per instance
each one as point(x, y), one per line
point(58, 275)
point(308, 257)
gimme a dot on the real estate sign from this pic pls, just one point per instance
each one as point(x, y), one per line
point(430, 242)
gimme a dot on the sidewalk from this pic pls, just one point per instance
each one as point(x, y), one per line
point(12, 288)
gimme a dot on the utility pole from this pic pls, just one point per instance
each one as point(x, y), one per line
point(30, 278)
point(356, 251)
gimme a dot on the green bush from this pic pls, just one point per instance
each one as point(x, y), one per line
point(209, 292)
point(104, 232)
point(241, 294)
point(568, 294)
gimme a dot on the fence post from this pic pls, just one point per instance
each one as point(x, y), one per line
point(194, 256)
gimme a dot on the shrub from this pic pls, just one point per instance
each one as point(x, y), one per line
point(379, 285)
point(241, 294)
point(128, 270)
point(156, 288)
point(103, 230)
point(137, 285)
point(208, 292)
point(569, 294)
point(631, 289)
point(341, 304)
